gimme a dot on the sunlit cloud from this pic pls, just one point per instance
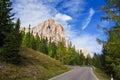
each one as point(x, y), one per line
point(63, 17)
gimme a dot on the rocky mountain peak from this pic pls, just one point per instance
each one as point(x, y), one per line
point(50, 29)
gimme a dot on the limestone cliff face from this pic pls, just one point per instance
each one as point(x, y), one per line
point(50, 29)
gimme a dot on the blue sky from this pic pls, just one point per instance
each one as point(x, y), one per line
point(78, 17)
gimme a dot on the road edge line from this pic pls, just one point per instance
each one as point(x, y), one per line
point(60, 75)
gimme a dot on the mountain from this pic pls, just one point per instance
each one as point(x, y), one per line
point(53, 31)
point(49, 29)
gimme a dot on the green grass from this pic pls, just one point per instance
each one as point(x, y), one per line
point(100, 74)
point(34, 66)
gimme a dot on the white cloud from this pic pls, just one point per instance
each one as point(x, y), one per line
point(63, 17)
point(87, 41)
point(87, 21)
point(32, 11)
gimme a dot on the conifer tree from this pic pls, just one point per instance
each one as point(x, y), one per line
point(5, 19)
point(18, 34)
point(26, 41)
point(11, 49)
point(8, 34)
point(32, 41)
point(37, 38)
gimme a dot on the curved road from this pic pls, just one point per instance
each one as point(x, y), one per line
point(81, 73)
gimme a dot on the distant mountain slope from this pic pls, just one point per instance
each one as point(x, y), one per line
point(35, 66)
point(86, 52)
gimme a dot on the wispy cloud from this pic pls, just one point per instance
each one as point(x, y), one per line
point(73, 7)
point(87, 21)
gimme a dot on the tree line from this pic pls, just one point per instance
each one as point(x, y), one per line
point(57, 50)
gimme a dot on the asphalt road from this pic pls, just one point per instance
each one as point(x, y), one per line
point(81, 73)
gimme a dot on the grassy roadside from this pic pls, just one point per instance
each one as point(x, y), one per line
point(34, 66)
point(100, 74)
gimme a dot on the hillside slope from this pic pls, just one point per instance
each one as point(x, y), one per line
point(35, 66)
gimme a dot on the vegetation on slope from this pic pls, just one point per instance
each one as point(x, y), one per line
point(34, 66)
point(100, 74)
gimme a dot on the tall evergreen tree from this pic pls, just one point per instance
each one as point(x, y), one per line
point(32, 41)
point(9, 34)
point(6, 18)
point(37, 38)
point(11, 49)
point(18, 34)
point(26, 41)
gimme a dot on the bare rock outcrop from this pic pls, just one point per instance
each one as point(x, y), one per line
point(49, 29)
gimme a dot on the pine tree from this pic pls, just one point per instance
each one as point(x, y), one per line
point(81, 59)
point(26, 41)
point(5, 19)
point(11, 49)
point(32, 42)
point(18, 34)
point(37, 38)
point(12, 43)
point(9, 34)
